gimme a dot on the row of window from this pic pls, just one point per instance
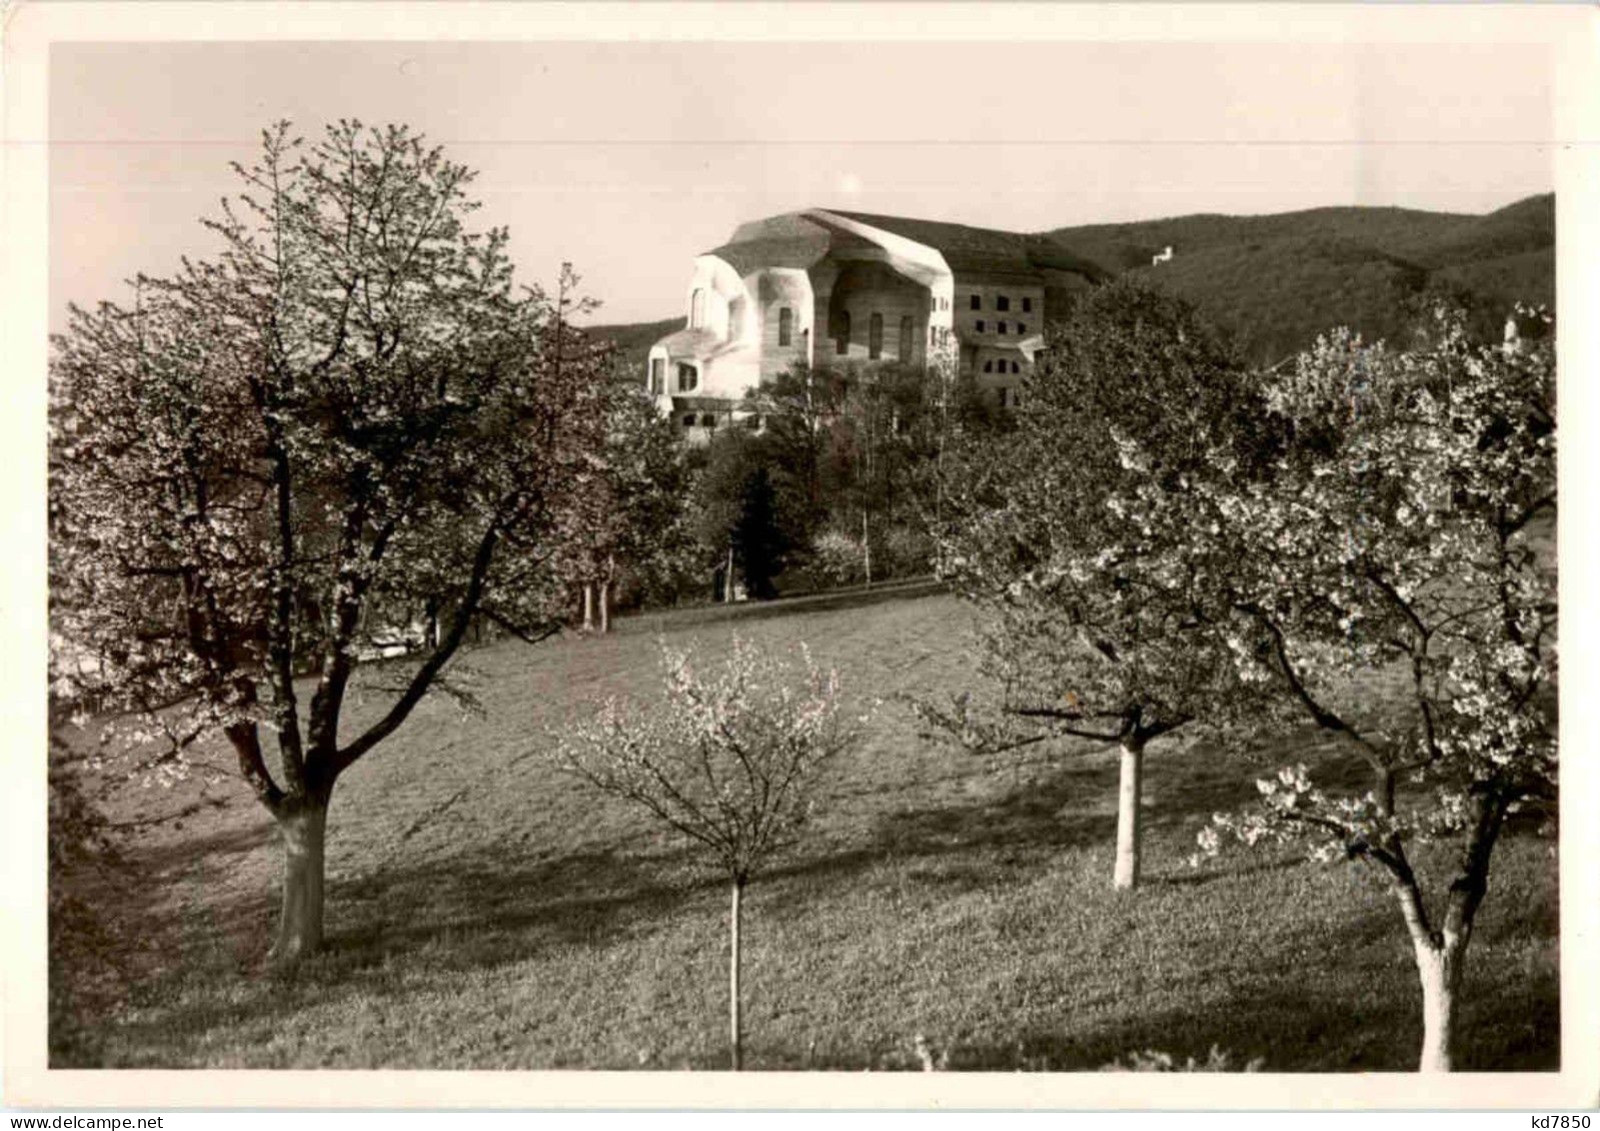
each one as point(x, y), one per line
point(840, 330)
point(709, 420)
point(1009, 398)
point(688, 376)
point(839, 327)
point(1002, 303)
point(697, 313)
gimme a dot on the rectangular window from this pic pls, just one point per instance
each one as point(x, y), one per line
point(785, 326)
point(658, 375)
point(1000, 328)
point(1001, 302)
point(1022, 327)
point(1027, 305)
point(688, 378)
point(980, 325)
point(977, 302)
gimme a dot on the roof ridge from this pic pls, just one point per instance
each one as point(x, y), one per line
point(870, 216)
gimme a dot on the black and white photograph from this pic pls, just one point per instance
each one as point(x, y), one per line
point(1000, 555)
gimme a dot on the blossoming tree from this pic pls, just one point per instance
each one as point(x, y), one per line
point(1406, 532)
point(281, 457)
point(729, 762)
point(1072, 531)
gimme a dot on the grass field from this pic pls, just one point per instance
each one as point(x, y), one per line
point(486, 913)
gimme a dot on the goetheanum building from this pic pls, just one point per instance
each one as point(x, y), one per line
point(826, 287)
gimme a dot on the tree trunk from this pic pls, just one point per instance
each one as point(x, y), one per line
point(866, 548)
point(1439, 968)
point(300, 923)
point(605, 596)
point(727, 585)
point(735, 1039)
point(1128, 817)
point(1442, 955)
point(588, 606)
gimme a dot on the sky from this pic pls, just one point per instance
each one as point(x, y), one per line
point(628, 159)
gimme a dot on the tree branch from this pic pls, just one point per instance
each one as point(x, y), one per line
point(431, 667)
point(1320, 715)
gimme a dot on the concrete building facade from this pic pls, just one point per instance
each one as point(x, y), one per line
point(826, 287)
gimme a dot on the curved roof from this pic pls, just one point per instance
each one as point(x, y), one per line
point(800, 239)
point(697, 345)
point(688, 342)
point(791, 239)
point(745, 256)
point(987, 251)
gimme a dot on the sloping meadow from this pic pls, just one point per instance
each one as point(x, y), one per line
point(944, 910)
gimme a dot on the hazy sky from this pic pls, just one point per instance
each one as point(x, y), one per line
point(630, 158)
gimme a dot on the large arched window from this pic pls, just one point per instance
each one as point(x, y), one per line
point(875, 336)
point(688, 378)
point(906, 330)
point(785, 326)
point(841, 332)
point(697, 309)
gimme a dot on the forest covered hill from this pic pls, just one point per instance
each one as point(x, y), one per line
point(1279, 280)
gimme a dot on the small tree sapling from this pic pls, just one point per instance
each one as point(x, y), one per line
point(729, 761)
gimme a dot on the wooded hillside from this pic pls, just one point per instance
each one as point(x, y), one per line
point(1277, 281)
